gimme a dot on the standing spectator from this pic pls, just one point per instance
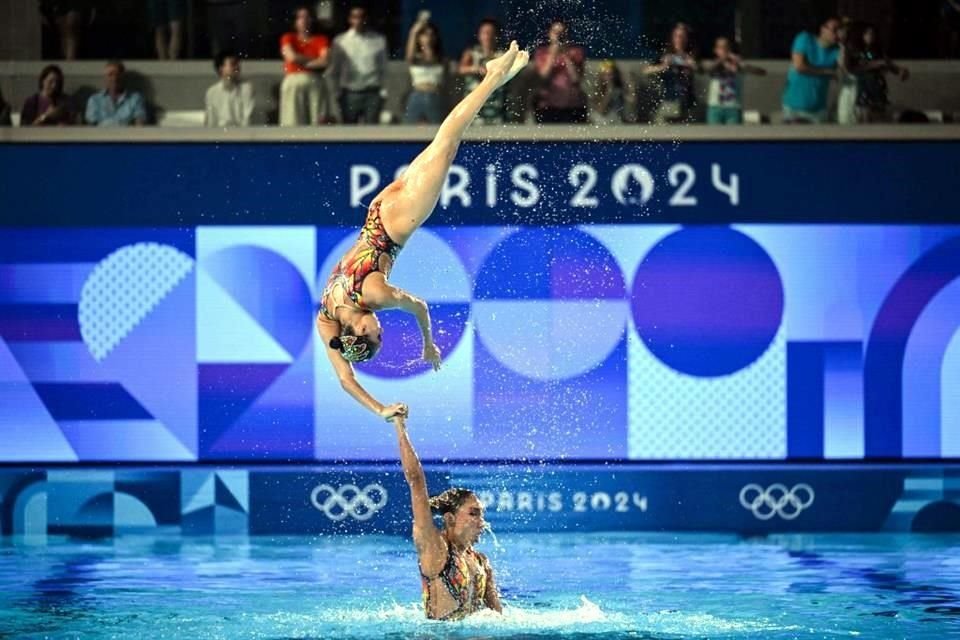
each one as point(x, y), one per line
point(360, 62)
point(472, 68)
point(724, 102)
point(228, 27)
point(676, 69)
point(847, 92)
point(813, 62)
point(610, 98)
point(865, 59)
point(166, 19)
point(49, 105)
point(5, 119)
point(303, 94)
point(949, 36)
point(560, 67)
point(230, 102)
point(115, 106)
point(424, 55)
point(68, 17)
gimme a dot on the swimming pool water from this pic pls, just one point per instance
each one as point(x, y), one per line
point(562, 585)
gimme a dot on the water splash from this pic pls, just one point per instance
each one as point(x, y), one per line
point(496, 543)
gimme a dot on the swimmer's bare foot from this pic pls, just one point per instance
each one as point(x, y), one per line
point(505, 67)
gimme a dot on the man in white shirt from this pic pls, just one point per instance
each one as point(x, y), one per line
point(230, 102)
point(359, 64)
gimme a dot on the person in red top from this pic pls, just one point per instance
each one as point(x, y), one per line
point(560, 67)
point(304, 99)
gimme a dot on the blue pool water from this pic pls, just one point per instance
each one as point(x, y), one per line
point(565, 585)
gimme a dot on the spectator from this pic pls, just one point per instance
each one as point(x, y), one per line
point(724, 95)
point(230, 102)
point(676, 69)
point(303, 94)
point(610, 98)
point(813, 63)
point(167, 18)
point(912, 116)
point(360, 62)
point(5, 119)
point(49, 106)
point(847, 93)
point(949, 30)
point(865, 60)
point(560, 67)
point(228, 27)
point(68, 17)
point(472, 68)
point(114, 106)
point(424, 55)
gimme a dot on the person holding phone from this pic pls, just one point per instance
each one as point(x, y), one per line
point(675, 69)
point(424, 55)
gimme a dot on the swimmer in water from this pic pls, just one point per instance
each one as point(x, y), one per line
point(457, 579)
point(358, 285)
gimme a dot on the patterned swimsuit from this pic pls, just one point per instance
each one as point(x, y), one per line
point(353, 268)
point(469, 595)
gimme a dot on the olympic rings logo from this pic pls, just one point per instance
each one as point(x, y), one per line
point(776, 500)
point(349, 500)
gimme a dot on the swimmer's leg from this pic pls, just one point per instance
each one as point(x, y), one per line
point(410, 200)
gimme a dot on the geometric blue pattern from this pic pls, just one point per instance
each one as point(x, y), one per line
point(538, 326)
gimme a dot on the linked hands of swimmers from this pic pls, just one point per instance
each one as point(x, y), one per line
point(431, 354)
point(395, 411)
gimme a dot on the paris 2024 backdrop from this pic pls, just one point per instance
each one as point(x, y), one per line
point(593, 300)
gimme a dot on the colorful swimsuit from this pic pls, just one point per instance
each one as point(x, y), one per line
point(353, 269)
point(454, 577)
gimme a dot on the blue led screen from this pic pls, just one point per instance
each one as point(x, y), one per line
point(585, 308)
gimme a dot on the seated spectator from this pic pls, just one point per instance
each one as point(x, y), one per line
point(303, 94)
point(560, 64)
point(49, 106)
point(360, 63)
point(813, 62)
point(5, 119)
point(166, 19)
point(472, 68)
point(424, 55)
point(724, 95)
point(230, 102)
point(864, 59)
point(115, 106)
point(912, 116)
point(675, 69)
point(610, 98)
point(68, 17)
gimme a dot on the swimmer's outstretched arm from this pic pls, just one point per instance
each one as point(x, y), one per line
point(426, 536)
point(348, 378)
point(383, 295)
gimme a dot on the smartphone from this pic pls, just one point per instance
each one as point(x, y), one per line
point(423, 16)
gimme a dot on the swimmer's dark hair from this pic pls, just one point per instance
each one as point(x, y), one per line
point(450, 500)
point(357, 349)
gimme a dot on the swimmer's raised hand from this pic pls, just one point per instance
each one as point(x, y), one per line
point(431, 354)
point(395, 410)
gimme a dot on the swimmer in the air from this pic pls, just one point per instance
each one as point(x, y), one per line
point(358, 285)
